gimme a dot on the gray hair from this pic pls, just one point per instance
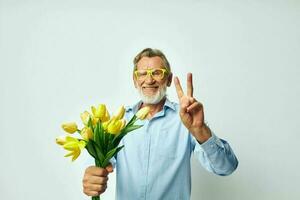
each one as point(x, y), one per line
point(149, 52)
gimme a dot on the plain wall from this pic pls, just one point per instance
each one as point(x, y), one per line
point(57, 58)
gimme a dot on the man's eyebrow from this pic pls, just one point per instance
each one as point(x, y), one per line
point(149, 67)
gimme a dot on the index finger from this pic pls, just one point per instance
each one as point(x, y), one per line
point(178, 87)
point(190, 88)
point(109, 168)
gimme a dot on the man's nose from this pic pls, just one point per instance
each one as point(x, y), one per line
point(149, 78)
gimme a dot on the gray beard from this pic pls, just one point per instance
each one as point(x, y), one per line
point(155, 98)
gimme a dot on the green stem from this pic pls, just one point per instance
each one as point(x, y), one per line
point(97, 163)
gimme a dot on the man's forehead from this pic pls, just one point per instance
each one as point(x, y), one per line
point(150, 62)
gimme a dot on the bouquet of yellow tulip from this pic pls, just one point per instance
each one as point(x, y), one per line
point(100, 135)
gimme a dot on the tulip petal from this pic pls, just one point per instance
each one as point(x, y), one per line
point(142, 113)
point(107, 116)
point(87, 133)
point(61, 140)
point(76, 155)
point(71, 139)
point(120, 113)
point(81, 144)
point(85, 117)
point(93, 110)
point(69, 154)
point(70, 127)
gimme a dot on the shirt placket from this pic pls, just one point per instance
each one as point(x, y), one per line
point(146, 156)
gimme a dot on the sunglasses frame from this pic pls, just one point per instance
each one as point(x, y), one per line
point(150, 72)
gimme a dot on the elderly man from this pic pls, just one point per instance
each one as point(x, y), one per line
point(155, 162)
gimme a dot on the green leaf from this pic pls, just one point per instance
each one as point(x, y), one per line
point(107, 141)
point(111, 142)
point(131, 128)
point(110, 154)
point(131, 121)
point(90, 148)
point(101, 129)
point(96, 134)
point(126, 130)
point(97, 137)
point(101, 132)
point(98, 151)
point(104, 142)
point(90, 123)
point(118, 140)
point(97, 163)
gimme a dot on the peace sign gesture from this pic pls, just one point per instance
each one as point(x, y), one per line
point(191, 111)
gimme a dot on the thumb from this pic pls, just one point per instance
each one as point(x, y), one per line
point(109, 168)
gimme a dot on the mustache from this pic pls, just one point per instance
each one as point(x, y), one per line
point(150, 86)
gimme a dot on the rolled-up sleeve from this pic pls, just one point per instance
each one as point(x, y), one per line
point(215, 155)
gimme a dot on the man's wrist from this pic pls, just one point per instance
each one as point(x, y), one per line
point(203, 134)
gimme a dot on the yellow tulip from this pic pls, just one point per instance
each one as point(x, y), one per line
point(75, 154)
point(61, 140)
point(106, 117)
point(70, 127)
point(95, 120)
point(74, 146)
point(116, 123)
point(123, 121)
point(114, 126)
point(105, 124)
point(87, 133)
point(85, 116)
point(100, 112)
point(142, 113)
point(120, 113)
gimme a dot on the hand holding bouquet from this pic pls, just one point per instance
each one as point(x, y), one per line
point(100, 135)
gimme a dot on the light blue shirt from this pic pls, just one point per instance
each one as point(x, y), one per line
point(155, 162)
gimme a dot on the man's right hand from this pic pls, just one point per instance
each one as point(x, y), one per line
point(95, 180)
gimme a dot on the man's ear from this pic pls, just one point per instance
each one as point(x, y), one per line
point(170, 79)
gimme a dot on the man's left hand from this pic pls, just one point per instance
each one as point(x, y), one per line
point(191, 111)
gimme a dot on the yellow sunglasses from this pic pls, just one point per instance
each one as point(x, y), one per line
point(157, 74)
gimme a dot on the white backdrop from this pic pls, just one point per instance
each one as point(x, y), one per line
point(59, 57)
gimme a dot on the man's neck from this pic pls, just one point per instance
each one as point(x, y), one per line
point(154, 108)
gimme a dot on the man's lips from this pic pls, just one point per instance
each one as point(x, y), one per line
point(150, 87)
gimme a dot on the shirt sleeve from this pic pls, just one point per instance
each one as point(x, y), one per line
point(215, 155)
point(113, 162)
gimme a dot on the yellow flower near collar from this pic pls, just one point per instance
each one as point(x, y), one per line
point(70, 127)
point(142, 113)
